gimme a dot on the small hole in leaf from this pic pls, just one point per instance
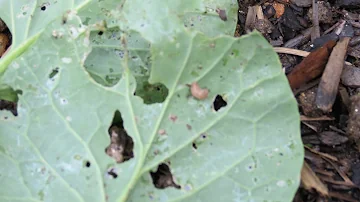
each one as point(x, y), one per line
point(194, 145)
point(219, 102)
point(43, 8)
point(150, 93)
point(163, 178)
point(87, 164)
point(54, 72)
point(112, 172)
point(121, 144)
point(100, 33)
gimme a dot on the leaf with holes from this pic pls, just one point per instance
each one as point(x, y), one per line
point(201, 15)
point(26, 19)
point(75, 139)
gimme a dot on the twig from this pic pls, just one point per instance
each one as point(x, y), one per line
point(322, 118)
point(315, 20)
point(324, 155)
point(296, 52)
point(342, 174)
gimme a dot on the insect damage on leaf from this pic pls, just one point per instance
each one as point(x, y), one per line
point(163, 177)
point(121, 144)
point(219, 102)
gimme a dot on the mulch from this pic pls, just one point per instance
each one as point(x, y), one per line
point(313, 39)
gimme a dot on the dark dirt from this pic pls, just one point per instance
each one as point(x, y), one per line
point(337, 135)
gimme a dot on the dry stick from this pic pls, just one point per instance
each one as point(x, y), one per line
point(304, 36)
point(310, 126)
point(296, 52)
point(342, 174)
point(332, 28)
point(330, 79)
point(321, 118)
point(324, 155)
point(315, 20)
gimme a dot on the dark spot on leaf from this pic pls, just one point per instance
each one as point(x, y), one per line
point(54, 72)
point(173, 118)
point(87, 164)
point(100, 33)
point(219, 102)
point(281, 154)
point(43, 8)
point(203, 136)
point(194, 145)
point(121, 144)
point(112, 172)
point(222, 14)
point(163, 178)
point(188, 127)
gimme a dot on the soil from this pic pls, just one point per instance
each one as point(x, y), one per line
point(331, 139)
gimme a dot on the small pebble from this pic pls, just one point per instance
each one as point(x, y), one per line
point(351, 76)
point(302, 3)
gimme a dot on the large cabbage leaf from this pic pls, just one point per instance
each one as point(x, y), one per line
point(249, 150)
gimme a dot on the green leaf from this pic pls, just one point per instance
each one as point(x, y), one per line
point(249, 150)
point(198, 15)
point(26, 19)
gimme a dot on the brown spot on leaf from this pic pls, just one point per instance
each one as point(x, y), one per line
point(173, 118)
point(162, 132)
point(188, 127)
point(222, 14)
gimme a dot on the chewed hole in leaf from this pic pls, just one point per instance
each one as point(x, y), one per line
point(163, 177)
point(54, 72)
point(194, 145)
point(87, 164)
point(112, 173)
point(100, 33)
point(121, 144)
point(151, 93)
point(219, 102)
point(9, 99)
point(5, 38)
point(44, 6)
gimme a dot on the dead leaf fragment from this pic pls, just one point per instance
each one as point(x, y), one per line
point(311, 66)
point(279, 8)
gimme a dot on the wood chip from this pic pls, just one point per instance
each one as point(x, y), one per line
point(330, 79)
point(311, 181)
point(311, 66)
